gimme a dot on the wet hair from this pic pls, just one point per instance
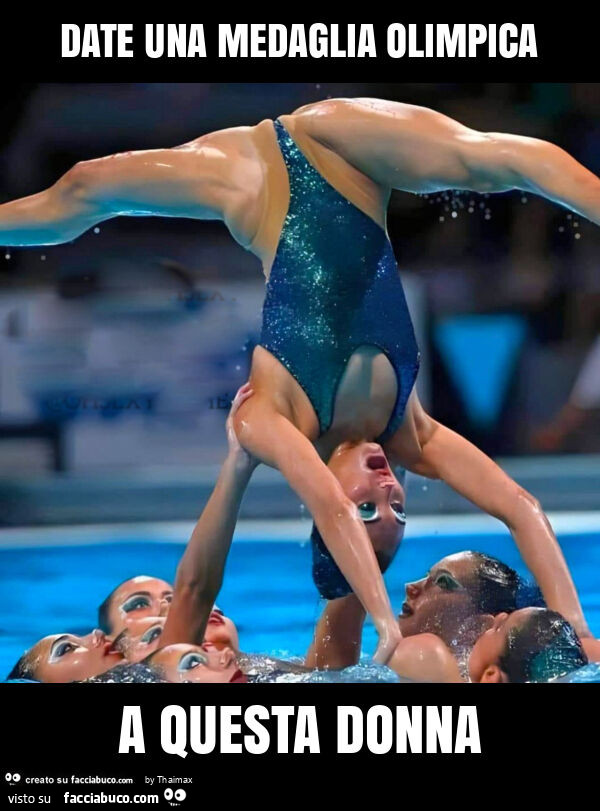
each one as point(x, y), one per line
point(104, 610)
point(500, 588)
point(543, 648)
point(23, 669)
point(327, 575)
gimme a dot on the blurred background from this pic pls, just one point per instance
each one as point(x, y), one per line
point(120, 352)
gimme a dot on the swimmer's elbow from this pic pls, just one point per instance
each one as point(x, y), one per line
point(522, 508)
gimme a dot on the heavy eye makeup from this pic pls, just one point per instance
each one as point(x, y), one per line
point(445, 581)
point(60, 648)
point(151, 634)
point(135, 603)
point(398, 510)
point(368, 511)
point(191, 660)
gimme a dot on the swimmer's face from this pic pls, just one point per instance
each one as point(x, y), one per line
point(66, 657)
point(366, 478)
point(443, 600)
point(138, 598)
point(484, 662)
point(140, 638)
point(221, 631)
point(198, 663)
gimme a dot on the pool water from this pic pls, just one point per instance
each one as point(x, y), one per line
point(268, 589)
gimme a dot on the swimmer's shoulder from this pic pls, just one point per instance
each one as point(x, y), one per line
point(425, 657)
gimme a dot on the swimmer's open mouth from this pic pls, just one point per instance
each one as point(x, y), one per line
point(111, 648)
point(406, 610)
point(377, 461)
point(215, 618)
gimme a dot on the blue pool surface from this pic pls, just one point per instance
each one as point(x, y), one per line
point(268, 589)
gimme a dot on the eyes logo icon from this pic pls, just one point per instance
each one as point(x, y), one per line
point(12, 778)
point(175, 797)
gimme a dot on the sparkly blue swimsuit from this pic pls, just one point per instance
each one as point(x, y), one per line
point(334, 286)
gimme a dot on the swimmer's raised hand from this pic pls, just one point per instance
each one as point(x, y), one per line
point(242, 458)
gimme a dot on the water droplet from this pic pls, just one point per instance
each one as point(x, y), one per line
point(569, 216)
point(561, 228)
point(237, 368)
point(577, 236)
point(7, 256)
point(442, 219)
point(454, 214)
point(318, 86)
point(488, 217)
point(470, 210)
point(425, 488)
point(96, 230)
point(575, 224)
point(43, 257)
point(523, 199)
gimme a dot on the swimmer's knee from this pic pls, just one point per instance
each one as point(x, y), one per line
point(78, 183)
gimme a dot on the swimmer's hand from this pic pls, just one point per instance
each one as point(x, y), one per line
point(241, 456)
point(389, 637)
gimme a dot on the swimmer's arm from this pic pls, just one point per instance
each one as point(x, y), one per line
point(273, 439)
point(160, 182)
point(403, 146)
point(200, 571)
point(425, 658)
point(338, 635)
point(443, 454)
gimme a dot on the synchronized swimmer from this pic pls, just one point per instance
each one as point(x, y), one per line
point(471, 618)
point(331, 400)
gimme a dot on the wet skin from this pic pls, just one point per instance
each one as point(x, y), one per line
point(444, 601)
point(66, 657)
point(198, 663)
point(484, 662)
point(137, 598)
point(142, 637)
point(363, 471)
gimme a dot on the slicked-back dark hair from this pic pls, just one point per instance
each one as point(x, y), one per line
point(501, 588)
point(22, 669)
point(543, 648)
